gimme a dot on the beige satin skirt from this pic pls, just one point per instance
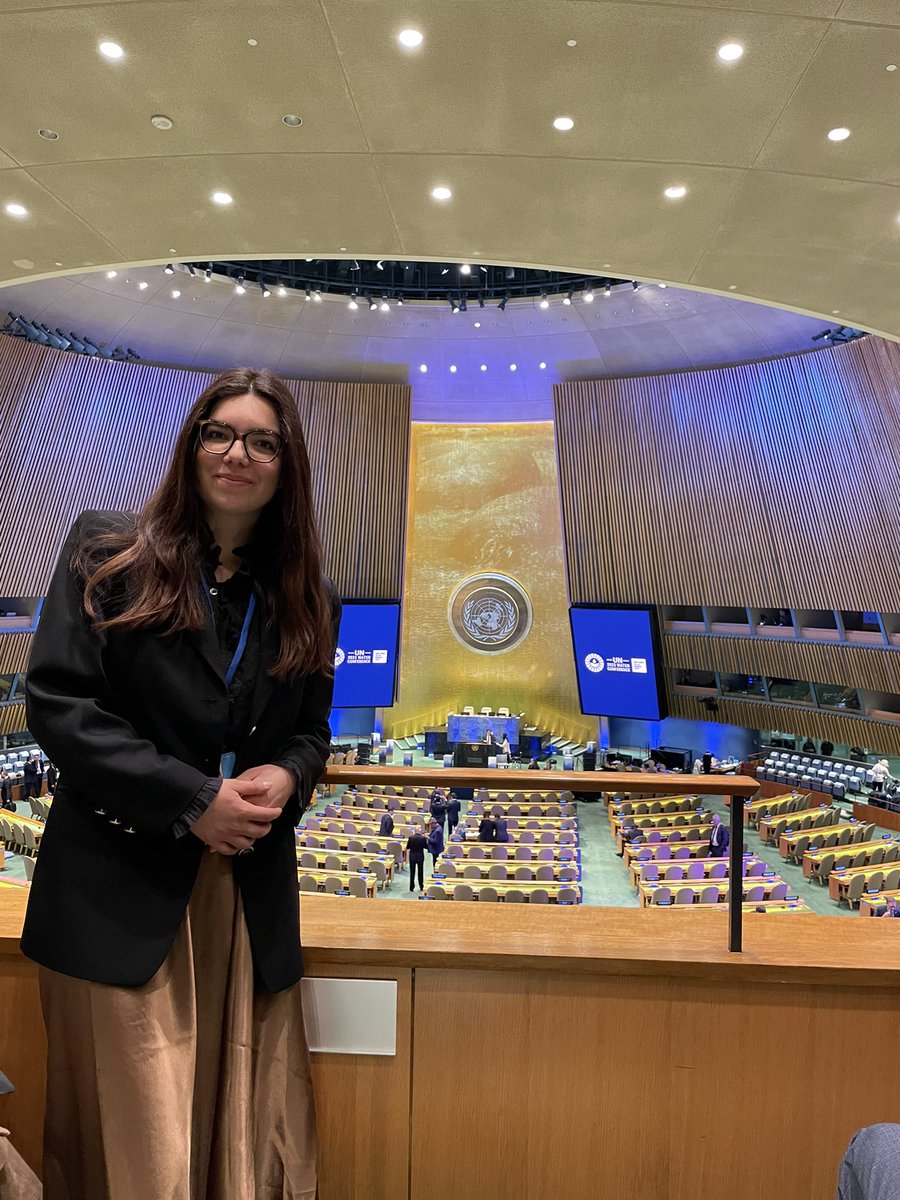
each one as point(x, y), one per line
point(194, 1086)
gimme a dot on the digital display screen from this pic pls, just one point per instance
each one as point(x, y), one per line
point(617, 662)
point(365, 664)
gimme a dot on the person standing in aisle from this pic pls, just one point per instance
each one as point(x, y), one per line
point(435, 843)
point(416, 846)
point(452, 814)
point(181, 679)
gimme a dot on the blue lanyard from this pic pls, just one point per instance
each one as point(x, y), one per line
point(245, 632)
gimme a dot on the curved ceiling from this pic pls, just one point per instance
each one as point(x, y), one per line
point(191, 322)
point(773, 209)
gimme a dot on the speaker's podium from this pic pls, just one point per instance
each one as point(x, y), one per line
point(472, 754)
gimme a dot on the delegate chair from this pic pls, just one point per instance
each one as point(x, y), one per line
point(514, 896)
point(662, 895)
point(709, 895)
point(357, 887)
point(539, 896)
point(488, 893)
point(463, 891)
point(684, 895)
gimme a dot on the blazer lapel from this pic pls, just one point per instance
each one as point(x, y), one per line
point(265, 683)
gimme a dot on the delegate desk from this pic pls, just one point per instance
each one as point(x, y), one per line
point(463, 728)
point(869, 905)
point(320, 856)
point(353, 843)
point(813, 858)
point(750, 906)
point(636, 868)
point(643, 808)
point(516, 851)
point(646, 890)
point(410, 810)
point(663, 852)
point(522, 808)
point(668, 834)
point(462, 870)
point(343, 876)
point(676, 819)
point(330, 825)
point(839, 880)
point(788, 841)
point(502, 889)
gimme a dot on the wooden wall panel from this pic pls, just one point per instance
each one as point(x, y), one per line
point(840, 728)
point(14, 651)
point(871, 668)
point(12, 717)
point(639, 1086)
point(85, 433)
point(770, 484)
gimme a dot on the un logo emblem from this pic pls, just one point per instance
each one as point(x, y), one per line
point(339, 657)
point(490, 613)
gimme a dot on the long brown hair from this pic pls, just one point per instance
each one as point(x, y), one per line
point(155, 563)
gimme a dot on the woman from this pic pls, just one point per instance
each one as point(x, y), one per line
point(181, 680)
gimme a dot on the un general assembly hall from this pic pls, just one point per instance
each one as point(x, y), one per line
point(450, 620)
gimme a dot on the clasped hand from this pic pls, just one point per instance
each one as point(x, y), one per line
point(244, 809)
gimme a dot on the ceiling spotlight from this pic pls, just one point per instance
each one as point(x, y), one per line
point(175, 294)
point(159, 121)
point(385, 307)
point(838, 135)
point(191, 271)
point(16, 210)
point(169, 269)
point(477, 324)
point(353, 303)
point(221, 198)
point(308, 293)
point(354, 266)
point(111, 50)
point(453, 368)
point(239, 289)
point(410, 38)
point(730, 52)
point(373, 304)
point(423, 367)
point(483, 269)
point(441, 193)
point(634, 285)
point(481, 299)
point(465, 269)
point(454, 305)
point(483, 367)
point(207, 274)
point(563, 124)
point(589, 295)
point(512, 366)
point(676, 193)
point(662, 285)
point(445, 270)
point(49, 135)
point(143, 285)
point(543, 366)
point(399, 301)
point(111, 274)
point(545, 303)
point(263, 288)
point(380, 264)
point(503, 303)
point(292, 120)
point(567, 299)
point(317, 296)
point(607, 291)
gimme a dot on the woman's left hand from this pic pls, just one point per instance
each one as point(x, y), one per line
point(283, 783)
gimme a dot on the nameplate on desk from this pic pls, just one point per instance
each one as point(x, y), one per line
point(350, 1016)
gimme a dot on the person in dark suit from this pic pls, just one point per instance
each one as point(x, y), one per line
point(452, 814)
point(718, 838)
point(438, 806)
point(487, 830)
point(386, 827)
point(501, 832)
point(6, 800)
point(416, 845)
point(707, 763)
point(435, 843)
point(181, 679)
point(52, 777)
point(31, 777)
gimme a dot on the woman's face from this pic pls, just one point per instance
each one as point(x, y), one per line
point(233, 484)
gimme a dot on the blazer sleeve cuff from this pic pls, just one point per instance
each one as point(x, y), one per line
point(197, 806)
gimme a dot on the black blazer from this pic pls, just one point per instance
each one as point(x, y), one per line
point(134, 722)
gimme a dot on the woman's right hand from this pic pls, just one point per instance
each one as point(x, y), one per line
point(235, 819)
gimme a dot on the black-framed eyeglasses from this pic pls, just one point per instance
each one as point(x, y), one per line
point(262, 445)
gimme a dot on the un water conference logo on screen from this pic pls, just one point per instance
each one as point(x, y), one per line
point(594, 662)
point(489, 613)
point(339, 657)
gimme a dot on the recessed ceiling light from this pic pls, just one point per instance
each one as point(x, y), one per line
point(111, 50)
point(838, 135)
point(344, 248)
point(385, 307)
point(835, 311)
point(49, 135)
point(317, 296)
point(563, 123)
point(512, 366)
point(730, 52)
point(662, 285)
point(543, 366)
point(478, 323)
point(571, 42)
point(143, 285)
point(891, 67)
point(732, 287)
point(589, 296)
point(483, 366)
point(292, 120)
point(465, 269)
point(16, 210)
point(282, 291)
point(353, 304)
point(545, 303)
point(109, 274)
point(423, 367)
point(441, 193)
point(221, 198)
point(252, 42)
point(410, 38)
point(675, 193)
point(453, 368)
point(175, 294)
point(239, 289)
